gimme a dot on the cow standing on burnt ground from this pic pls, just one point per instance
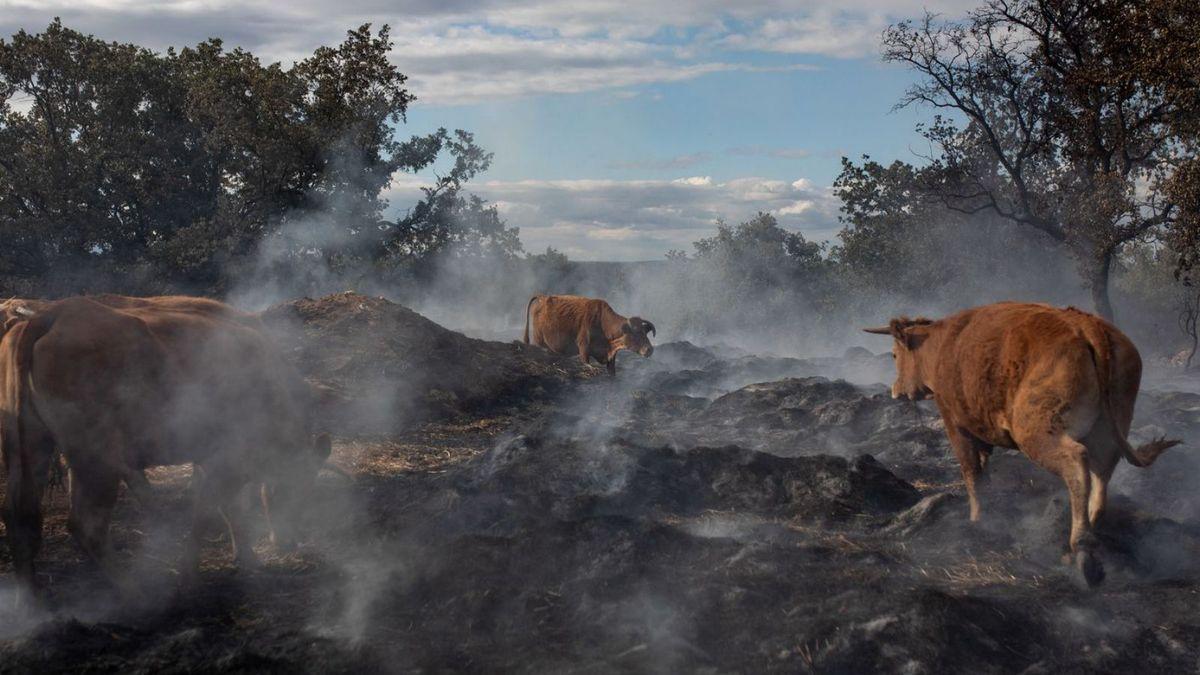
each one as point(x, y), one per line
point(121, 386)
point(16, 309)
point(1058, 384)
point(566, 324)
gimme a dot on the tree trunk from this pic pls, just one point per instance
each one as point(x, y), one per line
point(1099, 285)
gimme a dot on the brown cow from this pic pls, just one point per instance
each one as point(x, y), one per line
point(567, 324)
point(1058, 384)
point(17, 309)
point(118, 390)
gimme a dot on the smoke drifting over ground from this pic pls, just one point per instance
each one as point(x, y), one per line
point(750, 498)
point(742, 299)
point(706, 509)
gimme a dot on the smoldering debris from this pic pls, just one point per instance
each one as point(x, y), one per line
point(674, 518)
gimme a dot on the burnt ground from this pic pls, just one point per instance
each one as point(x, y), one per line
point(704, 511)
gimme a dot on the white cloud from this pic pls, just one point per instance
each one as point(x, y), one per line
point(837, 34)
point(463, 51)
point(643, 219)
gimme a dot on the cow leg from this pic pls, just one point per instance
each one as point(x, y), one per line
point(1068, 458)
point(215, 487)
point(970, 452)
point(985, 454)
point(282, 541)
point(28, 470)
point(584, 345)
point(1098, 494)
point(189, 564)
point(139, 486)
point(94, 491)
point(264, 495)
point(1104, 455)
point(240, 542)
point(612, 365)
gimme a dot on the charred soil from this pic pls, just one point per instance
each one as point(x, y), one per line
point(506, 510)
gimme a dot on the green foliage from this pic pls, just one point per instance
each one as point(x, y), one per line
point(445, 221)
point(180, 165)
point(751, 274)
point(551, 263)
point(885, 243)
point(758, 244)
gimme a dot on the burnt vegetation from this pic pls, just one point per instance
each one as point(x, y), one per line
point(750, 498)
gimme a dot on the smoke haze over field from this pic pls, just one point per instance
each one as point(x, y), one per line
point(749, 498)
point(749, 303)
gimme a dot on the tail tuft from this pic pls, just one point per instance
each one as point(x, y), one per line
point(1145, 454)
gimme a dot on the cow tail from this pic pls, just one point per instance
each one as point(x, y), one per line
point(527, 309)
point(16, 358)
point(1101, 347)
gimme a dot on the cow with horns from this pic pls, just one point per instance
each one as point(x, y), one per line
point(589, 327)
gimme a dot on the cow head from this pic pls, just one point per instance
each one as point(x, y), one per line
point(908, 337)
point(633, 337)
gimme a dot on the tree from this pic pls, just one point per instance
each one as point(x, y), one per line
point(1060, 130)
point(888, 219)
point(900, 239)
point(114, 158)
point(445, 221)
point(1173, 67)
point(756, 260)
point(762, 241)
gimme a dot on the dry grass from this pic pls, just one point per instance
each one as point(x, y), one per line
point(994, 569)
point(926, 486)
point(431, 448)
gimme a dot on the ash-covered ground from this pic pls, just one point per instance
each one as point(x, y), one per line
point(704, 511)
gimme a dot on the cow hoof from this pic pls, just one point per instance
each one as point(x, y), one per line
point(1089, 566)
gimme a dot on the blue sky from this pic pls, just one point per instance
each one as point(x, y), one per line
point(780, 125)
point(620, 130)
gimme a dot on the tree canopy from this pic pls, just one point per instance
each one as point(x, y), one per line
point(178, 165)
point(1059, 119)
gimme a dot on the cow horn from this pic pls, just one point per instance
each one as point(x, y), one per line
point(649, 327)
point(880, 330)
point(24, 311)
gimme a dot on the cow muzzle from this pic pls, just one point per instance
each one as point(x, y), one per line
point(647, 351)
